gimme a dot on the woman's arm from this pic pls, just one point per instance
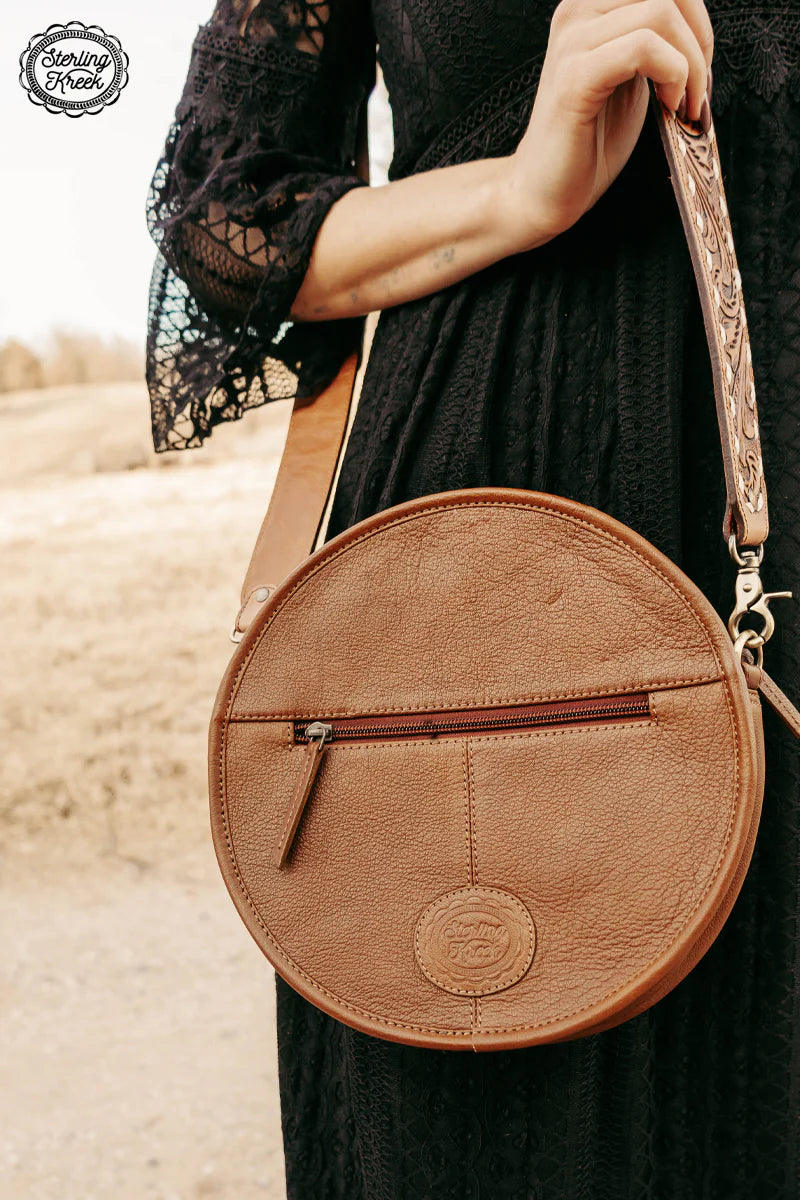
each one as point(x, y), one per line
point(382, 246)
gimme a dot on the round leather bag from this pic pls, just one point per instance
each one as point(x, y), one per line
point(485, 773)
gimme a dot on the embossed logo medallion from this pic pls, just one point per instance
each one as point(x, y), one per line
point(475, 940)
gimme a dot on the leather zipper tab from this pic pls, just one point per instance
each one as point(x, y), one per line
point(318, 734)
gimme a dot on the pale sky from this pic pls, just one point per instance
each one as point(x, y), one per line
point(77, 253)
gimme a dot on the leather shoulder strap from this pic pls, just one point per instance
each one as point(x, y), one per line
point(302, 489)
point(696, 176)
point(317, 429)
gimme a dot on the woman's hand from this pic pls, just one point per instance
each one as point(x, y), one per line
point(592, 100)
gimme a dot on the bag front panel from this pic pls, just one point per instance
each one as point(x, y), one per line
point(456, 883)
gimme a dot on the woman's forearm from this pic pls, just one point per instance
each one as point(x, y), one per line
point(387, 245)
point(382, 246)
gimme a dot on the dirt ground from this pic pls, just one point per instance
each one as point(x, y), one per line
point(137, 1036)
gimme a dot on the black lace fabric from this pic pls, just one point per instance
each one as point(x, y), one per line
point(263, 143)
point(580, 368)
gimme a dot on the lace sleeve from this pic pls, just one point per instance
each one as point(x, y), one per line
point(263, 142)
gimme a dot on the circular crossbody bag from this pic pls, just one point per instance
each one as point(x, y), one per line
point(486, 769)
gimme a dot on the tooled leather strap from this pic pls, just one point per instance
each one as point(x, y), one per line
point(696, 176)
point(316, 431)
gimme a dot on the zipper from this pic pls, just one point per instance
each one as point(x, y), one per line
point(317, 735)
point(519, 716)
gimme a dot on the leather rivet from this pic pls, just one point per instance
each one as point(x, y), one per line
point(261, 594)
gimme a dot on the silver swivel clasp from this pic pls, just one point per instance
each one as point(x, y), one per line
point(751, 598)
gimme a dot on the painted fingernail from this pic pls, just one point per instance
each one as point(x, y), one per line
point(682, 107)
point(710, 84)
point(705, 115)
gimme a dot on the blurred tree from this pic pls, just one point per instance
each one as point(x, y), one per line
point(19, 367)
point(68, 358)
point(87, 358)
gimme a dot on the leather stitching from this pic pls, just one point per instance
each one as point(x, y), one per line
point(473, 831)
point(427, 743)
point(780, 702)
point(534, 698)
point(467, 816)
point(645, 723)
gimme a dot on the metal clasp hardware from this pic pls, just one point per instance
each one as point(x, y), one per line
point(751, 598)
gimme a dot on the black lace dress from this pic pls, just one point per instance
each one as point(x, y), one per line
point(579, 368)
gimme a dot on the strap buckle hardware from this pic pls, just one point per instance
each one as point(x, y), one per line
point(751, 598)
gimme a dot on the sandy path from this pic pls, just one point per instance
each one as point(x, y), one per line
point(137, 1037)
point(138, 1042)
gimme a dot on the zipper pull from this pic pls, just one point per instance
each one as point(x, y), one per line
point(318, 735)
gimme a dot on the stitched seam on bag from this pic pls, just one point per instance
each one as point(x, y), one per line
point(542, 733)
point(467, 816)
point(387, 1021)
point(472, 815)
point(427, 743)
point(535, 698)
point(380, 528)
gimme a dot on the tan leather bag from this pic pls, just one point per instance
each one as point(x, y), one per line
point(486, 769)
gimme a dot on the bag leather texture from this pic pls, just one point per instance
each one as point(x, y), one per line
point(486, 769)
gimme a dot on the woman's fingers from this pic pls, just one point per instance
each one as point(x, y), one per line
point(581, 28)
point(694, 12)
point(640, 51)
point(665, 18)
point(696, 15)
